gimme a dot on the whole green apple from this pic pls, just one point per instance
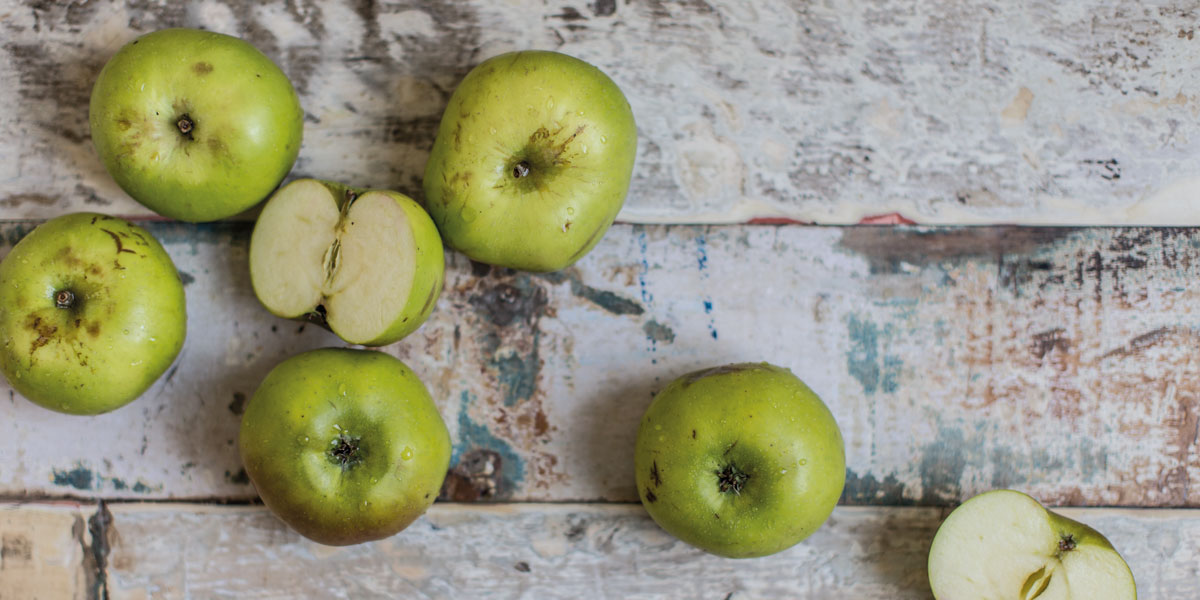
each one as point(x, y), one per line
point(92, 312)
point(532, 161)
point(368, 264)
point(741, 460)
point(1004, 544)
point(345, 446)
point(195, 125)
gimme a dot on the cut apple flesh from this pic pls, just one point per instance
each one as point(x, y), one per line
point(1004, 545)
point(352, 266)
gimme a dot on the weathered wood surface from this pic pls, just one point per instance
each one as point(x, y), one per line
point(178, 551)
point(1060, 361)
point(45, 551)
point(946, 112)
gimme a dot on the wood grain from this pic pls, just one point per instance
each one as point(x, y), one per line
point(46, 551)
point(956, 360)
point(944, 112)
point(575, 551)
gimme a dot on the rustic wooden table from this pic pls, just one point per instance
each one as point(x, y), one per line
point(974, 349)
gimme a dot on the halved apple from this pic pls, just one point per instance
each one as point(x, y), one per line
point(1004, 545)
point(367, 264)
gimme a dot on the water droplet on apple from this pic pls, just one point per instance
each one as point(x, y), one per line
point(493, 131)
point(341, 391)
point(584, 148)
point(406, 454)
point(657, 427)
point(549, 102)
point(570, 210)
point(603, 139)
point(803, 461)
point(783, 471)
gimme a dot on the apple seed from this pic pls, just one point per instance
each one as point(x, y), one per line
point(1066, 543)
point(521, 169)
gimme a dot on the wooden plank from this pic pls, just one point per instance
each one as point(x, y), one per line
point(1061, 361)
point(46, 551)
point(574, 551)
point(944, 111)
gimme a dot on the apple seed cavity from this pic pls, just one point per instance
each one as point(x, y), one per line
point(1066, 543)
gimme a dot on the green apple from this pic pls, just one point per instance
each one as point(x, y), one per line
point(1003, 545)
point(345, 446)
point(92, 312)
point(532, 161)
point(741, 460)
point(368, 264)
point(195, 125)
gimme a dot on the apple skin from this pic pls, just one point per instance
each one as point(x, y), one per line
point(246, 123)
point(1004, 544)
point(573, 130)
point(123, 326)
point(306, 407)
point(770, 427)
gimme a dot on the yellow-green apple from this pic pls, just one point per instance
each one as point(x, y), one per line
point(92, 312)
point(741, 460)
point(1003, 545)
point(368, 264)
point(532, 161)
point(195, 125)
point(345, 446)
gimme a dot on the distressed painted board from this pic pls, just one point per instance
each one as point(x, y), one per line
point(1060, 361)
point(45, 551)
point(179, 551)
point(944, 111)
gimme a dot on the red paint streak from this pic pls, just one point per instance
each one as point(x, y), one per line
point(888, 219)
point(777, 221)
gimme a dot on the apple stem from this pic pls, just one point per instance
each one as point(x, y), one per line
point(1066, 543)
point(64, 299)
point(185, 125)
point(521, 169)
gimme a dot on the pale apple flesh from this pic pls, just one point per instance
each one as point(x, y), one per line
point(1004, 545)
point(367, 264)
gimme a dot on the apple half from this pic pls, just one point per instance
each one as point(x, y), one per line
point(1004, 545)
point(366, 264)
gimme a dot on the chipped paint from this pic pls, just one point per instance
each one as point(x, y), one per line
point(1059, 360)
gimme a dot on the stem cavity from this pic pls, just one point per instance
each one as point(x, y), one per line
point(64, 299)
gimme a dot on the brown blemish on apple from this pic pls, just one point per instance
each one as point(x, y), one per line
point(650, 497)
point(44, 331)
point(117, 239)
point(654, 476)
point(202, 68)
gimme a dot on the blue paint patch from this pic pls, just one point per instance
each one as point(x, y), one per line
point(702, 252)
point(472, 435)
point(643, 250)
point(517, 374)
point(708, 306)
point(864, 361)
point(712, 331)
point(80, 477)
